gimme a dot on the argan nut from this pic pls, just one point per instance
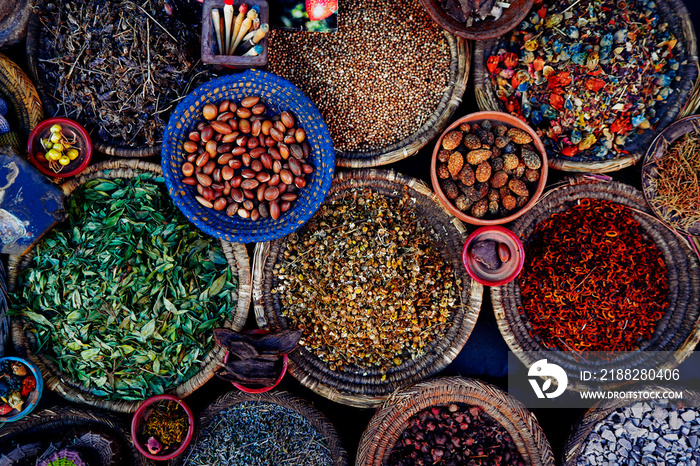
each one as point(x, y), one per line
point(244, 127)
point(244, 113)
point(250, 101)
point(286, 176)
point(226, 116)
point(190, 147)
point(227, 172)
point(452, 140)
point(204, 202)
point(223, 106)
point(274, 210)
point(194, 136)
point(287, 119)
point(220, 204)
point(300, 182)
point(210, 147)
point(250, 184)
point(307, 169)
point(221, 127)
point(276, 134)
point(190, 181)
point(483, 172)
point(265, 127)
point(295, 166)
point(232, 209)
point(271, 193)
point(210, 111)
point(243, 213)
point(202, 160)
point(187, 169)
point(258, 109)
point(208, 169)
point(256, 128)
point(300, 135)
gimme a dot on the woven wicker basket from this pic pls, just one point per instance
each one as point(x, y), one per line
point(678, 331)
point(278, 95)
point(577, 440)
point(684, 101)
point(370, 387)
point(433, 126)
point(317, 420)
point(391, 419)
point(99, 436)
point(24, 339)
point(19, 92)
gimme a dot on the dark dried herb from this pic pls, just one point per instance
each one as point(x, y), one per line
point(117, 66)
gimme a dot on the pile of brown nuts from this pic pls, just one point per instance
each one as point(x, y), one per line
point(245, 163)
point(488, 170)
point(457, 434)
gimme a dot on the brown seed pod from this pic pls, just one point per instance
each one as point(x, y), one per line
point(466, 176)
point(510, 161)
point(452, 140)
point(498, 179)
point(508, 202)
point(463, 202)
point(483, 172)
point(466, 127)
point(475, 157)
point(519, 170)
point(450, 189)
point(493, 207)
point(444, 155)
point(531, 159)
point(497, 164)
point(518, 187)
point(493, 195)
point(518, 136)
point(500, 130)
point(472, 142)
point(532, 175)
point(480, 208)
point(442, 171)
point(455, 163)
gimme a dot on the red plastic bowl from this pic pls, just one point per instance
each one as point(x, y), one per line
point(136, 423)
point(84, 144)
point(285, 362)
point(505, 273)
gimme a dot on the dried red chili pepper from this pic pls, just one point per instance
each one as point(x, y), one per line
point(28, 385)
point(593, 280)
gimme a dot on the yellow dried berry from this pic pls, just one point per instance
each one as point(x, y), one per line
point(509, 202)
point(519, 136)
point(455, 163)
point(442, 171)
point(483, 172)
point(451, 140)
point(518, 187)
point(510, 161)
point(443, 155)
point(475, 157)
point(480, 208)
point(532, 175)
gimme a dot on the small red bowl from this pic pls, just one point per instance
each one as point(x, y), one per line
point(138, 418)
point(83, 144)
point(285, 362)
point(509, 270)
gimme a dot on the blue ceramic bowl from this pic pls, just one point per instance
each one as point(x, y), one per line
point(34, 396)
point(278, 95)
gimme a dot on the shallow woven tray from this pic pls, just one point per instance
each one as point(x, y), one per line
point(24, 339)
point(367, 389)
point(678, 331)
point(35, 30)
point(316, 418)
point(107, 437)
point(25, 106)
point(433, 126)
point(684, 100)
point(391, 419)
point(599, 412)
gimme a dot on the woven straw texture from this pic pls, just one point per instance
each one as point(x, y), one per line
point(35, 34)
point(368, 388)
point(650, 174)
point(678, 331)
point(320, 423)
point(577, 440)
point(99, 437)
point(24, 339)
point(25, 106)
point(684, 100)
point(279, 95)
point(451, 99)
point(391, 419)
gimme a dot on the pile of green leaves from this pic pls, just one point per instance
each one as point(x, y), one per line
point(124, 294)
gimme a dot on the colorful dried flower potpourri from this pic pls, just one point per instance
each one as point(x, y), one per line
point(591, 76)
point(593, 280)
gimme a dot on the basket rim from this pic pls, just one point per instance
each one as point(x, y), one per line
point(385, 427)
point(508, 318)
point(54, 379)
point(235, 228)
point(16, 85)
point(312, 372)
point(486, 99)
point(278, 397)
